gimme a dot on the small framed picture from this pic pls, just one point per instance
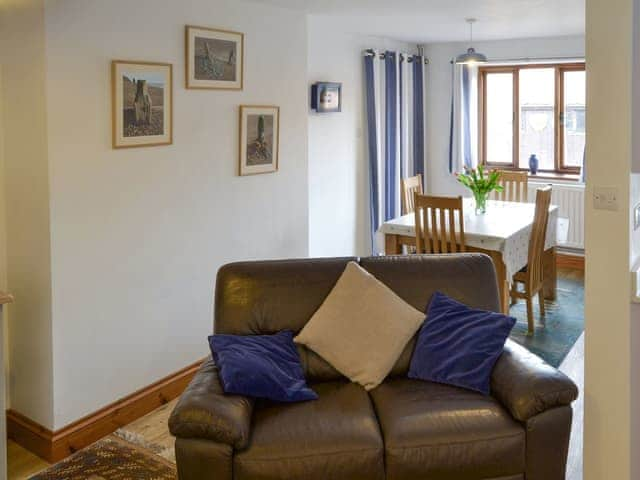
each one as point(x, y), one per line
point(214, 58)
point(142, 104)
point(259, 139)
point(326, 97)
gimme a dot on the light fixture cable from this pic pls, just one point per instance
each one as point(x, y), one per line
point(470, 57)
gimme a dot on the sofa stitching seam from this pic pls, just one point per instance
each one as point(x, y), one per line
point(492, 439)
point(311, 455)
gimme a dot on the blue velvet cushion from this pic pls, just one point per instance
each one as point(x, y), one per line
point(262, 366)
point(459, 345)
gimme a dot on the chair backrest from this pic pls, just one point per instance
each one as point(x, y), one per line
point(408, 188)
point(515, 186)
point(537, 238)
point(439, 224)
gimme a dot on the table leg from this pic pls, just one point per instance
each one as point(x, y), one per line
point(503, 281)
point(549, 273)
point(391, 245)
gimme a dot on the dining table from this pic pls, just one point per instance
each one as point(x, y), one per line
point(502, 232)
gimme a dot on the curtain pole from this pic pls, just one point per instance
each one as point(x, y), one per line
point(404, 56)
point(541, 60)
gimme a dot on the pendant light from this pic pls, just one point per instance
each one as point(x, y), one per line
point(471, 56)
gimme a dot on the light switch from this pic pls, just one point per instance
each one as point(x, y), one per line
point(636, 217)
point(605, 198)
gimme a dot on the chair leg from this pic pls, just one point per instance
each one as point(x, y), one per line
point(512, 297)
point(541, 300)
point(530, 319)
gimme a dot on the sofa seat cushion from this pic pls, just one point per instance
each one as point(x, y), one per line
point(438, 432)
point(336, 436)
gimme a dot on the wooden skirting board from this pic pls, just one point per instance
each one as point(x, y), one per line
point(54, 446)
point(566, 260)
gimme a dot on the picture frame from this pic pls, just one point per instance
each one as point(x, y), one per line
point(214, 58)
point(259, 139)
point(141, 103)
point(326, 97)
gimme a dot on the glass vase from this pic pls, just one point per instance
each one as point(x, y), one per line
point(481, 202)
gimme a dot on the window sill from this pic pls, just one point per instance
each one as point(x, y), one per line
point(541, 175)
point(563, 177)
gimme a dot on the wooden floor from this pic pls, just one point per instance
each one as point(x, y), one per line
point(22, 464)
point(573, 366)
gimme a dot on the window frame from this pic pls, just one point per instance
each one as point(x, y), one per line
point(559, 114)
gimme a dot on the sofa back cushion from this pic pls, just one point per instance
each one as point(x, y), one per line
point(469, 278)
point(265, 297)
point(361, 314)
point(269, 296)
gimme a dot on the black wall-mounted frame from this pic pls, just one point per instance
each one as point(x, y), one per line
point(326, 97)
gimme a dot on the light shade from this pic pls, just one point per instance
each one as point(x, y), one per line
point(471, 57)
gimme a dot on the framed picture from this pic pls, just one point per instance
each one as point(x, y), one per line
point(214, 58)
point(259, 139)
point(142, 104)
point(326, 97)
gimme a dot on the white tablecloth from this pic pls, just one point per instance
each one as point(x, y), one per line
point(505, 227)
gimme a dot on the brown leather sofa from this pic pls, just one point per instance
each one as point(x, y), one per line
point(404, 429)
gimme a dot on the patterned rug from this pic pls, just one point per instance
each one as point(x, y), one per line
point(562, 326)
point(111, 458)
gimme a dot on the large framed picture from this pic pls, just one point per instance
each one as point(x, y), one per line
point(259, 139)
point(142, 104)
point(215, 58)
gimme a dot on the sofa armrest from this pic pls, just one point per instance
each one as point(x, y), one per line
point(204, 411)
point(526, 385)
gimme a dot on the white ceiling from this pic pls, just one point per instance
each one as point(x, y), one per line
point(425, 21)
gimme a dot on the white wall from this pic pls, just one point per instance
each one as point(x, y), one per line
point(438, 94)
point(3, 255)
point(634, 199)
point(26, 189)
point(610, 346)
point(137, 235)
point(338, 169)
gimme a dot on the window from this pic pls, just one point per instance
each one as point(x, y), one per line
point(533, 109)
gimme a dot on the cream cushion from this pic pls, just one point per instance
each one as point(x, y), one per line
point(361, 327)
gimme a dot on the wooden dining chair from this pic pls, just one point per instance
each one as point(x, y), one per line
point(439, 224)
point(531, 276)
point(515, 186)
point(408, 188)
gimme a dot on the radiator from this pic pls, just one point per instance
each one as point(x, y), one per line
point(570, 202)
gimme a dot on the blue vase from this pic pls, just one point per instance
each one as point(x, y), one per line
point(533, 164)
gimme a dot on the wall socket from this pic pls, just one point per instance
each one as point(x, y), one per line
point(605, 198)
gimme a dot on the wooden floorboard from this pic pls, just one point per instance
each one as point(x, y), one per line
point(22, 464)
point(573, 366)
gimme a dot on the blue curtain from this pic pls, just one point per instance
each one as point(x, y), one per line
point(466, 115)
point(462, 124)
point(418, 116)
point(372, 143)
point(391, 124)
point(394, 100)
